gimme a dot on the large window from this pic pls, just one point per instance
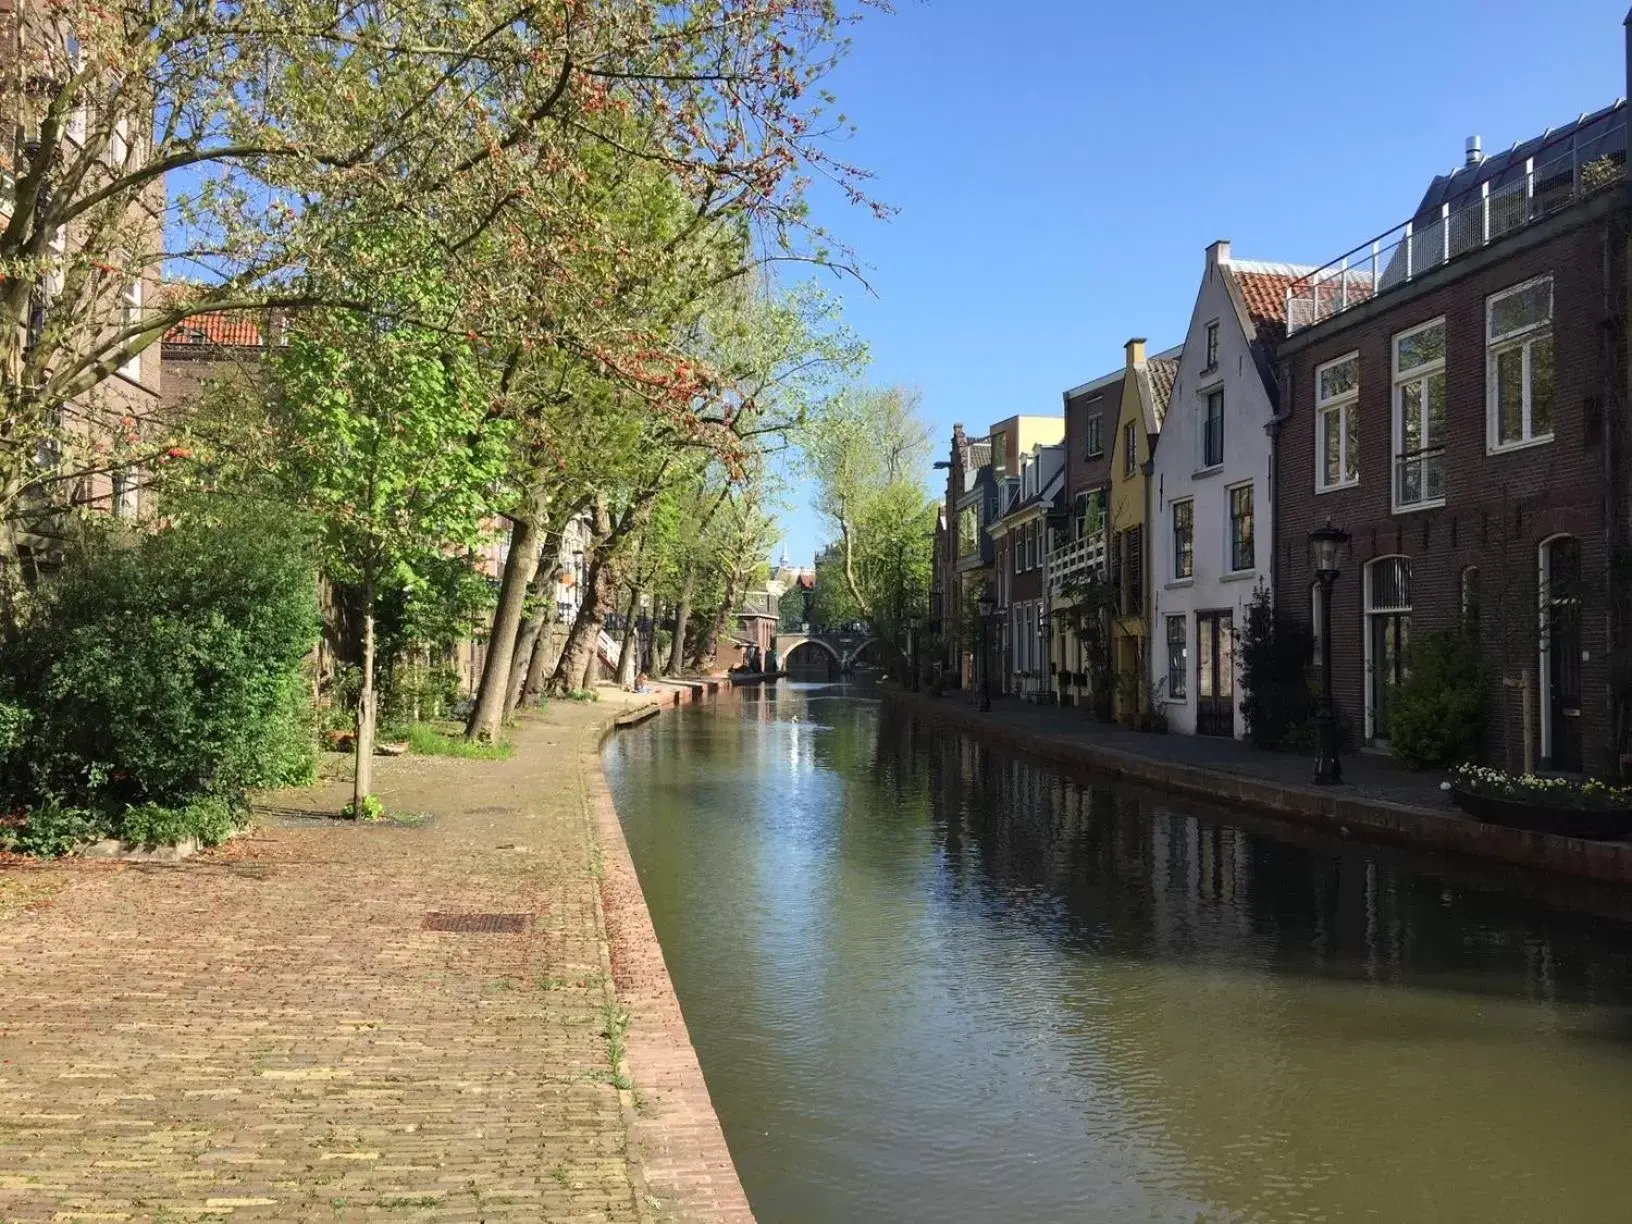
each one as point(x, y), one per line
point(1388, 638)
point(1184, 538)
point(1130, 448)
point(1337, 423)
point(1419, 416)
point(1212, 430)
point(1178, 656)
point(1096, 435)
point(1519, 364)
point(1241, 549)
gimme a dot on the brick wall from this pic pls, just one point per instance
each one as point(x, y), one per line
point(1499, 508)
point(1083, 473)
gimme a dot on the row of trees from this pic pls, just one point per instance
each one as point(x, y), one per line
point(517, 263)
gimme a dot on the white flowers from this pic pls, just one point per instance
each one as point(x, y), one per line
point(1483, 780)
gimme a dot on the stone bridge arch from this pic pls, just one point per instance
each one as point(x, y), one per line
point(842, 648)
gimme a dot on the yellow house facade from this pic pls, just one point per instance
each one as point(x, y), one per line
point(1147, 384)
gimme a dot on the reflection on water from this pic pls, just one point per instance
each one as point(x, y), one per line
point(931, 981)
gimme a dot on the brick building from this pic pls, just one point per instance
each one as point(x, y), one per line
point(1020, 553)
point(1454, 397)
point(1080, 525)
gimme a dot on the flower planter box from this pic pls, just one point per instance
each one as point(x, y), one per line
point(1536, 814)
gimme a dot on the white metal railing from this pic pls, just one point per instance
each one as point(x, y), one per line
point(1556, 176)
point(1069, 560)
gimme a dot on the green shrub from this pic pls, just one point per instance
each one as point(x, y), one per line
point(1274, 652)
point(428, 741)
point(1437, 713)
point(168, 668)
point(51, 829)
point(211, 820)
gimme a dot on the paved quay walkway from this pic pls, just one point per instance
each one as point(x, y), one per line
point(1378, 799)
point(458, 1014)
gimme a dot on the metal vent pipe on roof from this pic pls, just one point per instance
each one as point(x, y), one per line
point(1475, 152)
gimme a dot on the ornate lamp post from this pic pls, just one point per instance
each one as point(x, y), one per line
point(986, 607)
point(1327, 542)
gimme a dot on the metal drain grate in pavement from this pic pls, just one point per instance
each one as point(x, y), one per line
point(477, 924)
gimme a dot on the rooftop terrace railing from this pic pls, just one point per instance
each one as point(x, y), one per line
point(1556, 176)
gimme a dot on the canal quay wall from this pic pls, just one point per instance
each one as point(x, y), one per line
point(1377, 801)
point(679, 1147)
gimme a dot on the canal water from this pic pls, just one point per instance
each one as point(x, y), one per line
point(931, 981)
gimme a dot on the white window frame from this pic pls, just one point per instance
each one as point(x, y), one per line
point(1183, 621)
point(1229, 527)
point(1400, 380)
point(1173, 538)
point(130, 312)
point(1523, 338)
point(1340, 407)
point(119, 144)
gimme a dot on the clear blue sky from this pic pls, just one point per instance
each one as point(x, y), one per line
point(1061, 165)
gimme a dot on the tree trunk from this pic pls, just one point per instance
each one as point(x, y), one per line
point(527, 641)
point(579, 651)
point(363, 779)
point(705, 648)
point(631, 639)
point(533, 687)
point(682, 614)
point(487, 718)
point(850, 570)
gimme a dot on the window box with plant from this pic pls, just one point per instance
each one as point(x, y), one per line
point(1561, 806)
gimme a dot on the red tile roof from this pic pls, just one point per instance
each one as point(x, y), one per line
point(1265, 295)
point(234, 329)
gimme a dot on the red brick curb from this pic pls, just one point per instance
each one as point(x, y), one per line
point(678, 1146)
point(1377, 819)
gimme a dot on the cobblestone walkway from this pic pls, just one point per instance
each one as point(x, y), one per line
point(316, 1023)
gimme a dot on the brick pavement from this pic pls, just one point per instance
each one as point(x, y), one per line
point(273, 1031)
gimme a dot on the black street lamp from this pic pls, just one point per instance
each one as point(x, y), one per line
point(986, 609)
point(1327, 541)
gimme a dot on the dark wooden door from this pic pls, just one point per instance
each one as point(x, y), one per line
point(1564, 652)
point(1215, 673)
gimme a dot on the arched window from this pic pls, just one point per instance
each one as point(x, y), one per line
point(1388, 637)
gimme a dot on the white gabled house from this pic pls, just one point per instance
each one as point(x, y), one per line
point(1211, 496)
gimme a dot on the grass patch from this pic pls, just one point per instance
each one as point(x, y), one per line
point(614, 1028)
point(426, 740)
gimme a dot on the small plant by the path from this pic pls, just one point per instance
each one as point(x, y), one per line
point(211, 820)
point(614, 1030)
point(51, 829)
point(426, 740)
point(369, 809)
point(583, 695)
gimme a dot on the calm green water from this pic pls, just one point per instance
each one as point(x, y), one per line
point(930, 981)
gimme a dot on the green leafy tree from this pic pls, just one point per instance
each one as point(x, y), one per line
point(387, 438)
